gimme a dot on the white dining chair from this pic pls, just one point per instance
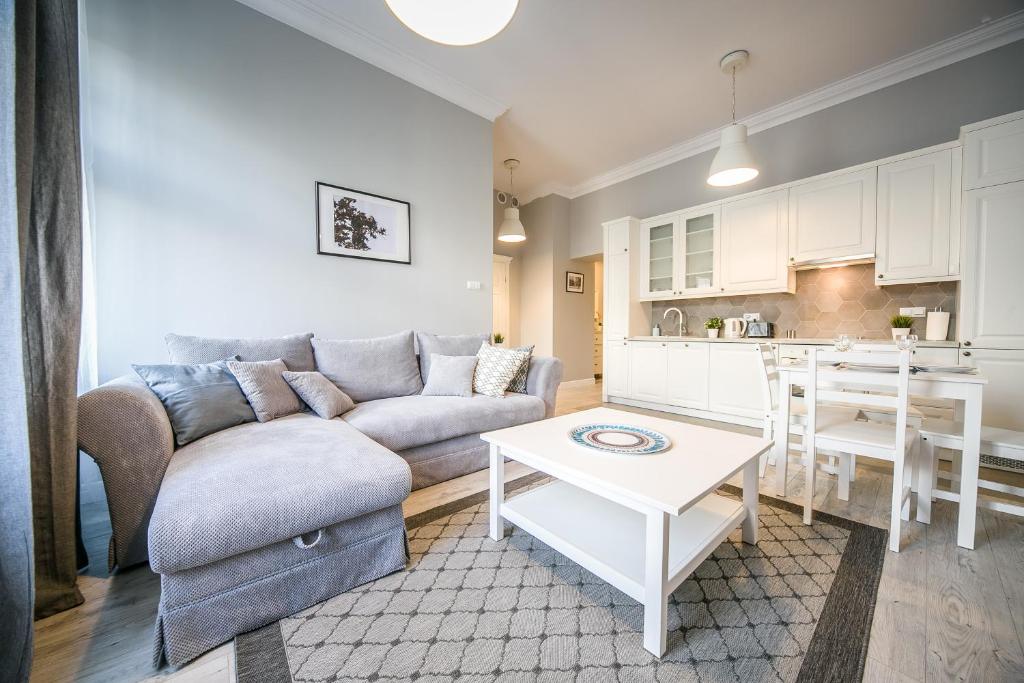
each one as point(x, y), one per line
point(881, 380)
point(798, 413)
point(996, 442)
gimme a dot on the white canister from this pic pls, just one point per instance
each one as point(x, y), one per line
point(937, 326)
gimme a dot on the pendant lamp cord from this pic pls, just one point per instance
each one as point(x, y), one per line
point(511, 185)
point(734, 94)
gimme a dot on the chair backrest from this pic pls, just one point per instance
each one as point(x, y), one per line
point(769, 378)
point(889, 386)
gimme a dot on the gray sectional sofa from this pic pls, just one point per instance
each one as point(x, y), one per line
point(256, 522)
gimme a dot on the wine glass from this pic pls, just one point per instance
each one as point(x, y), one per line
point(842, 343)
point(906, 342)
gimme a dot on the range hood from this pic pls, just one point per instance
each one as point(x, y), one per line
point(834, 262)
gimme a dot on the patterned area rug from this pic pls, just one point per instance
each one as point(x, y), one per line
point(795, 607)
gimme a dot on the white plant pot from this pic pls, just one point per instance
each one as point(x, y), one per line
point(712, 334)
point(898, 332)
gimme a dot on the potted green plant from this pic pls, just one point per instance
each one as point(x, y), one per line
point(900, 326)
point(499, 339)
point(713, 325)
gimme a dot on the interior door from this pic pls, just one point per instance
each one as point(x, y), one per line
point(991, 305)
point(687, 374)
point(914, 205)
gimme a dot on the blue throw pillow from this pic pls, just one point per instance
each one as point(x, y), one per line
point(199, 399)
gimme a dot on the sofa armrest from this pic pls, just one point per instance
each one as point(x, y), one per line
point(124, 427)
point(542, 380)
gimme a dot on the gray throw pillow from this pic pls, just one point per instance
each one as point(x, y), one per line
point(199, 399)
point(518, 383)
point(368, 369)
point(295, 350)
point(450, 345)
point(450, 376)
point(495, 369)
point(262, 383)
point(326, 400)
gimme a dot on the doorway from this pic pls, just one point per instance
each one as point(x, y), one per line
point(502, 300)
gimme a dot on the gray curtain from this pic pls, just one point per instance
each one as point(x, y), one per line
point(16, 591)
point(49, 198)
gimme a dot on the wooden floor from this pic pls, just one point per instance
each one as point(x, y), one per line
point(943, 613)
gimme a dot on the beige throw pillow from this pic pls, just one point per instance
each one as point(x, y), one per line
point(495, 369)
point(320, 393)
point(264, 386)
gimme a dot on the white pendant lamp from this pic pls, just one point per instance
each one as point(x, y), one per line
point(511, 229)
point(454, 22)
point(734, 164)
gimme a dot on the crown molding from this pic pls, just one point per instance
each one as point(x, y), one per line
point(327, 26)
point(963, 46)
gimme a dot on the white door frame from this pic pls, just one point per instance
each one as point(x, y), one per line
point(501, 314)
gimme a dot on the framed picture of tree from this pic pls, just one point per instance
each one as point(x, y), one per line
point(361, 225)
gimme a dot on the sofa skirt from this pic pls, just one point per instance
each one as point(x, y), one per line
point(206, 606)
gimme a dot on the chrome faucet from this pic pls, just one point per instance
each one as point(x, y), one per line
point(682, 319)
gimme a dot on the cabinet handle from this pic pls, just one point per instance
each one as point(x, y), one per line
point(967, 343)
point(792, 258)
point(879, 276)
point(723, 289)
point(967, 353)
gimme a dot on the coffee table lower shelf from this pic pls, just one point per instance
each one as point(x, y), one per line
point(608, 539)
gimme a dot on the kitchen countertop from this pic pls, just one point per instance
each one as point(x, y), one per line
point(799, 340)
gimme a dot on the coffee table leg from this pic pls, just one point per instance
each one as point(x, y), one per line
point(750, 481)
point(497, 473)
point(655, 579)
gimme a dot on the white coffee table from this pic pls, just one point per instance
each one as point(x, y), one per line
point(641, 523)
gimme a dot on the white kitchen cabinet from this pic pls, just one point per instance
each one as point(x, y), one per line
point(648, 362)
point(659, 241)
point(918, 233)
point(991, 306)
point(734, 380)
point(622, 316)
point(687, 374)
point(994, 154)
point(833, 218)
point(755, 242)
point(615, 379)
point(1004, 393)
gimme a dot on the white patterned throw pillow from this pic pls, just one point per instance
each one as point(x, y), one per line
point(495, 369)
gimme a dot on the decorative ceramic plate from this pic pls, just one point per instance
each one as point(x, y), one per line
point(621, 439)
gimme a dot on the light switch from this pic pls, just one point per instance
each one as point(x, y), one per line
point(475, 284)
point(914, 311)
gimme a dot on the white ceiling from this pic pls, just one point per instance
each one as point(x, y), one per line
point(592, 85)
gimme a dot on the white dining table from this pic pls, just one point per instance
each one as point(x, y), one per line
point(964, 389)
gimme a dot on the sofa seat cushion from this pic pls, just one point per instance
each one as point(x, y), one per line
point(409, 421)
point(266, 482)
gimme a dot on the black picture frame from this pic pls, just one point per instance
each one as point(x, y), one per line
point(404, 208)
point(571, 285)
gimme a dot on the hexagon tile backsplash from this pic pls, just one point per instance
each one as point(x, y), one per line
point(827, 302)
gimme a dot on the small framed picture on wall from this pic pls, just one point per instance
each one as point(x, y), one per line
point(361, 225)
point(573, 282)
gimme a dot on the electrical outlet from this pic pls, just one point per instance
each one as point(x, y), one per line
point(751, 317)
point(914, 311)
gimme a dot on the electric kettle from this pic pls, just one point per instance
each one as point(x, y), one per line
point(734, 327)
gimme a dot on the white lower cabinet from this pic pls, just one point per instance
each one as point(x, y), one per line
point(735, 380)
point(688, 375)
point(1004, 393)
point(615, 378)
point(648, 362)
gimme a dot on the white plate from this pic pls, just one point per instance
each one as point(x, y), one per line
point(958, 369)
point(868, 367)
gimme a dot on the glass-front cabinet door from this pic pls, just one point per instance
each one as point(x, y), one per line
point(700, 250)
point(660, 239)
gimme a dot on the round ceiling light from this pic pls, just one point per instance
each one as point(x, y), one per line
point(454, 22)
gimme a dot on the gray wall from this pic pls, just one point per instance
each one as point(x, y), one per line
point(916, 113)
point(211, 123)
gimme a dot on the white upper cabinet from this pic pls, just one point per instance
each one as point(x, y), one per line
point(833, 218)
point(991, 306)
point(616, 280)
point(917, 231)
point(700, 251)
point(994, 155)
point(659, 243)
point(755, 242)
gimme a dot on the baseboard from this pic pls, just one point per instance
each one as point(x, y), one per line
point(585, 382)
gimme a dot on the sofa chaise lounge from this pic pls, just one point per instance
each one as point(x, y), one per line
point(256, 522)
